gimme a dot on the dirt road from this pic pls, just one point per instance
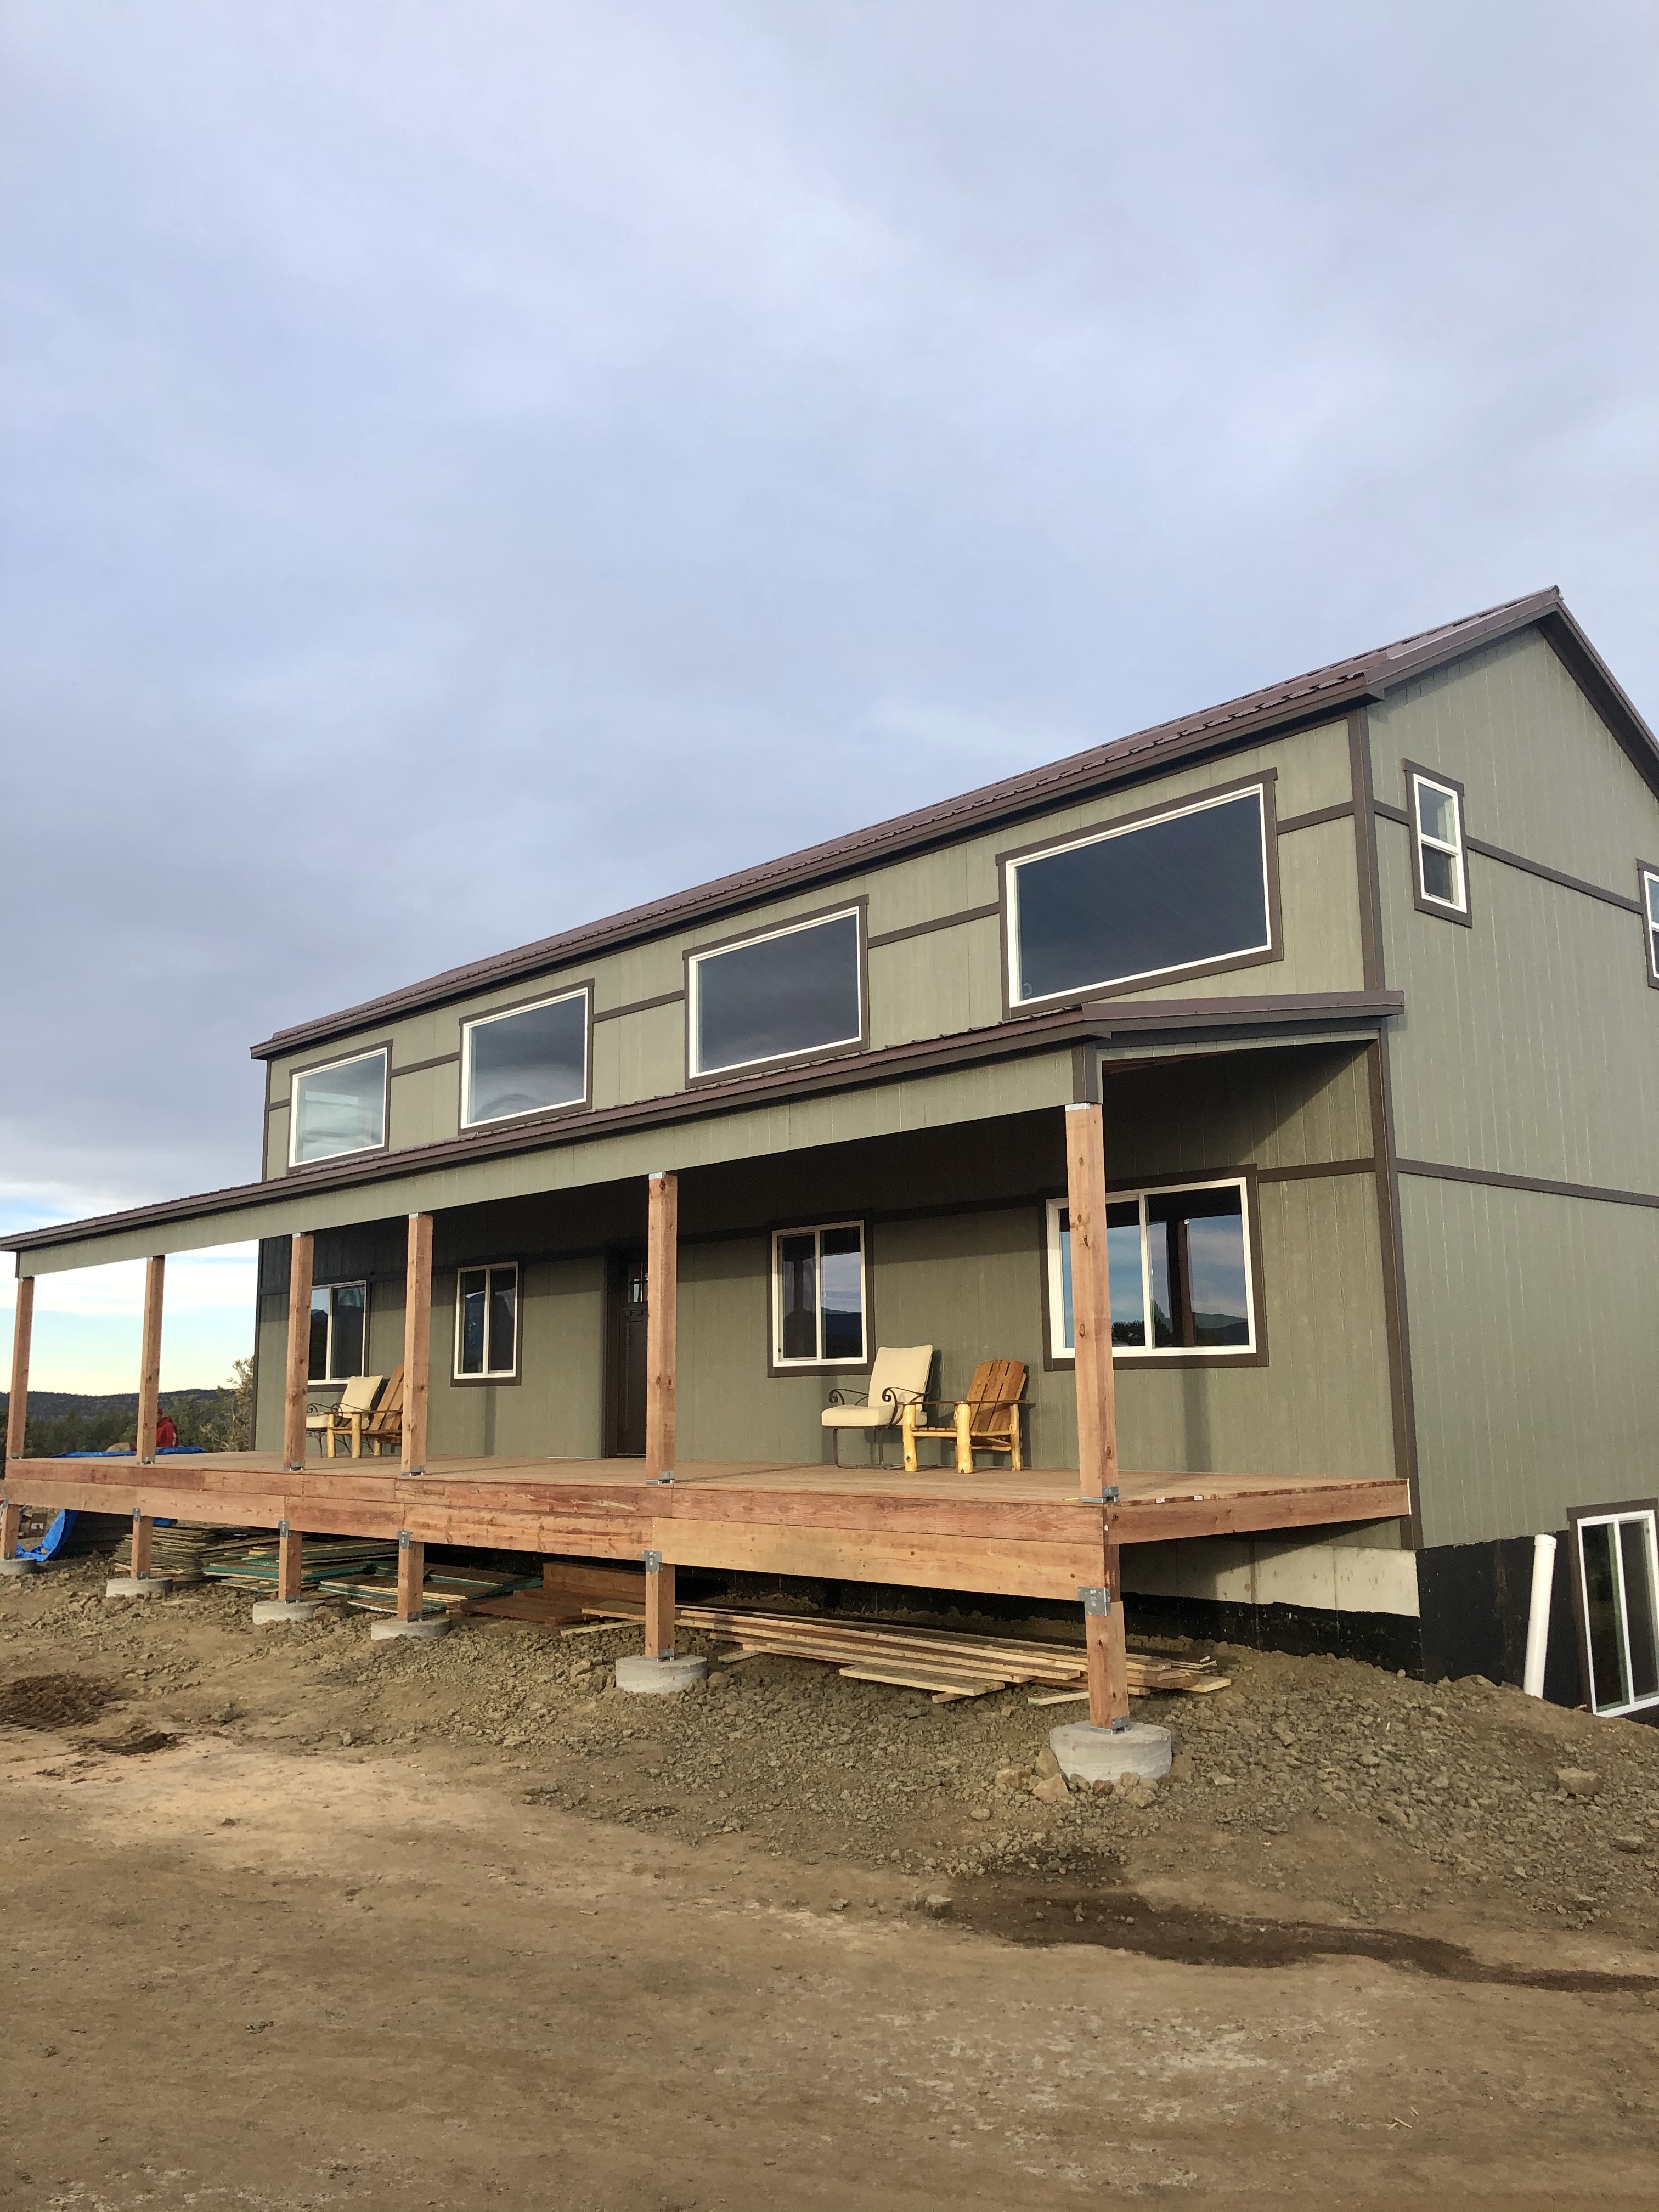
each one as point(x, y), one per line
point(257, 1966)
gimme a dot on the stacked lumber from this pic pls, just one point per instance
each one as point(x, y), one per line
point(444, 1590)
point(320, 1557)
point(946, 1663)
point(180, 1552)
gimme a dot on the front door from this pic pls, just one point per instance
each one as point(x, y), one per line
point(625, 1355)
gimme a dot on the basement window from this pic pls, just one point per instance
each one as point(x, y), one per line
point(1180, 1255)
point(1190, 889)
point(339, 1331)
point(793, 992)
point(1616, 1569)
point(818, 1301)
point(529, 1060)
point(487, 1323)
point(339, 1109)
point(1438, 832)
point(1650, 917)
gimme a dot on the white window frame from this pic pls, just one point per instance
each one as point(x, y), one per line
point(694, 961)
point(328, 1377)
point(818, 1230)
point(1650, 920)
point(1013, 868)
point(1612, 1517)
point(1058, 1350)
point(489, 1269)
point(468, 1120)
point(1457, 853)
point(381, 1052)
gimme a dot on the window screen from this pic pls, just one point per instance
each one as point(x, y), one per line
point(487, 1321)
point(340, 1108)
point(1179, 892)
point(526, 1061)
point(817, 1295)
point(795, 992)
point(1179, 1255)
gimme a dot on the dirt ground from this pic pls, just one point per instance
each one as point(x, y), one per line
point(296, 1920)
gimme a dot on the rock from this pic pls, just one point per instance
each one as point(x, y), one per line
point(719, 1680)
point(1636, 1844)
point(1577, 1781)
point(1047, 1763)
point(1052, 1790)
point(1180, 1767)
point(1012, 1778)
point(936, 1904)
point(979, 1812)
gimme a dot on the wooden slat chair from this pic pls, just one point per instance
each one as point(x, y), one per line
point(385, 1425)
point(987, 1419)
point(346, 1417)
point(897, 1380)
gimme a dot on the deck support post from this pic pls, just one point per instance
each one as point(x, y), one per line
point(17, 1412)
point(290, 1555)
point(142, 1530)
point(1096, 1407)
point(417, 1342)
point(149, 1368)
point(411, 1576)
point(299, 1352)
point(661, 1319)
point(658, 1607)
point(11, 1527)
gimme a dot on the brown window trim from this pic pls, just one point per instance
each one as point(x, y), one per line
point(777, 1371)
point(1434, 906)
point(357, 1151)
point(582, 988)
point(1066, 1362)
point(858, 906)
point(1264, 781)
point(486, 1381)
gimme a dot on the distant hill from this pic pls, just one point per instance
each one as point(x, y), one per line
point(76, 1421)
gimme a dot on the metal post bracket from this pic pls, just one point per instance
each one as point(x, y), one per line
point(653, 1562)
point(1094, 1599)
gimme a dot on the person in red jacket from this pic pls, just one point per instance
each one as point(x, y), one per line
point(167, 1433)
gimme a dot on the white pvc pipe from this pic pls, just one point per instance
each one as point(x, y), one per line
point(1538, 1614)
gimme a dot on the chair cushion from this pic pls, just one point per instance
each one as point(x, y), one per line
point(858, 1416)
point(904, 1372)
point(359, 1394)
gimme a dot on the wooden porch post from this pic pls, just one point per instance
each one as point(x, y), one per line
point(299, 1352)
point(17, 1413)
point(1096, 1406)
point(149, 1368)
point(662, 1307)
point(142, 1530)
point(417, 1347)
point(658, 1607)
point(411, 1570)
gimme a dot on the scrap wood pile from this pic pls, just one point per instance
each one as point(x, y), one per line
point(181, 1550)
point(446, 1590)
point(946, 1664)
point(321, 1556)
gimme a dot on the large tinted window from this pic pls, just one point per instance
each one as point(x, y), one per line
point(796, 991)
point(340, 1108)
point(1175, 893)
point(526, 1061)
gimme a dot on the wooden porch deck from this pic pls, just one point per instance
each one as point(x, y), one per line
point(1025, 1536)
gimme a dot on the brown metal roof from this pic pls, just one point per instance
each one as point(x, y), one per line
point(1332, 689)
point(1305, 1011)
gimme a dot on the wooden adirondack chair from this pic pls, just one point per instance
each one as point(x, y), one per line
point(385, 1425)
point(987, 1419)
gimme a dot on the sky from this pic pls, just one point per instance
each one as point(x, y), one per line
point(466, 470)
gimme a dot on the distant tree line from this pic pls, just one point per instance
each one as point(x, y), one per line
point(70, 1421)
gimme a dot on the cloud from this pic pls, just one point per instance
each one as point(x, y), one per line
point(467, 471)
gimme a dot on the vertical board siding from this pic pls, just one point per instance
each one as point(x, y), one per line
point(1532, 1361)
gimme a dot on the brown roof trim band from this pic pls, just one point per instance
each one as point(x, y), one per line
point(1033, 1033)
point(1323, 694)
point(1533, 1183)
point(1508, 859)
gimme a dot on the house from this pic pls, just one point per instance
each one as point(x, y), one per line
point(1352, 983)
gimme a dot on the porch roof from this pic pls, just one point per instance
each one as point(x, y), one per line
point(1007, 1067)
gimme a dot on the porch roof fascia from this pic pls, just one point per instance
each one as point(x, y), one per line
point(600, 1146)
point(1299, 702)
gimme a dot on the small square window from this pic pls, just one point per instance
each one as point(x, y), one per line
point(819, 1300)
point(487, 1323)
point(339, 1331)
point(1440, 858)
point(1651, 921)
point(1616, 1574)
point(1180, 1255)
